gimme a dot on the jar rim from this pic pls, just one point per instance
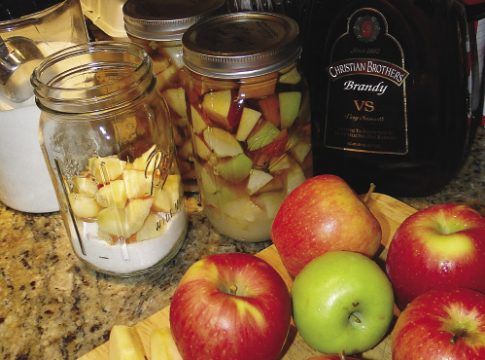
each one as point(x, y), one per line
point(71, 80)
point(29, 19)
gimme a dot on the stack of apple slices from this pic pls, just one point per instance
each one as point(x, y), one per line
point(124, 198)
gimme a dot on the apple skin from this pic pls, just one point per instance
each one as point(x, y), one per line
point(210, 322)
point(441, 324)
point(342, 303)
point(320, 215)
point(332, 357)
point(438, 247)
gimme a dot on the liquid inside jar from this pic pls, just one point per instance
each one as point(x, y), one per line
point(251, 141)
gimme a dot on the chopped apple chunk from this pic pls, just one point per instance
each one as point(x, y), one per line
point(262, 136)
point(166, 76)
point(85, 185)
point(176, 101)
point(270, 202)
point(243, 208)
point(124, 222)
point(249, 118)
point(125, 344)
point(83, 206)
point(300, 151)
point(278, 164)
point(162, 345)
point(106, 169)
point(165, 199)
point(153, 227)
point(217, 105)
point(113, 194)
point(201, 148)
point(137, 183)
point(222, 142)
point(236, 169)
point(257, 179)
point(198, 123)
point(289, 107)
point(148, 161)
point(294, 177)
point(292, 77)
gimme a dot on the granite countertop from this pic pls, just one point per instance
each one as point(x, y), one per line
point(53, 307)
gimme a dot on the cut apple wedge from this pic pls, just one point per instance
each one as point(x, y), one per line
point(257, 179)
point(279, 163)
point(83, 206)
point(112, 194)
point(124, 222)
point(201, 148)
point(152, 228)
point(249, 118)
point(270, 106)
point(235, 169)
point(166, 76)
point(242, 208)
point(198, 123)
point(207, 182)
point(125, 344)
point(175, 99)
point(289, 107)
point(162, 345)
point(294, 177)
point(105, 169)
point(148, 161)
point(222, 142)
point(270, 202)
point(85, 185)
point(300, 151)
point(165, 199)
point(186, 151)
point(217, 105)
point(137, 183)
point(261, 157)
point(262, 136)
point(291, 77)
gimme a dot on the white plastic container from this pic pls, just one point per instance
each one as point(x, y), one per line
point(106, 15)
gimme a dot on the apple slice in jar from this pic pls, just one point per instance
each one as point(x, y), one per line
point(235, 169)
point(279, 163)
point(148, 161)
point(277, 147)
point(263, 135)
point(289, 107)
point(249, 118)
point(201, 148)
point(222, 108)
point(300, 151)
point(270, 202)
point(221, 142)
point(270, 107)
point(85, 185)
point(153, 227)
point(175, 98)
point(137, 183)
point(242, 209)
point(124, 222)
point(112, 194)
point(294, 177)
point(105, 169)
point(198, 122)
point(83, 206)
point(257, 180)
point(291, 77)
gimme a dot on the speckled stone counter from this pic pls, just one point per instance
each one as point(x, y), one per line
point(53, 307)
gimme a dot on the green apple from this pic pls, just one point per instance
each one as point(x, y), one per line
point(342, 303)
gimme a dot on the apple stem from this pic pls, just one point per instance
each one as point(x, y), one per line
point(459, 334)
point(367, 196)
point(355, 318)
point(233, 289)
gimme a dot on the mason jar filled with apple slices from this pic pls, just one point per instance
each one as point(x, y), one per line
point(105, 132)
point(158, 27)
point(250, 119)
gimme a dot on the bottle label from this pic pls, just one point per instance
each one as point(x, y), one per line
point(366, 95)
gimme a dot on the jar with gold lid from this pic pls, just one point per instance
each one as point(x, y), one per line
point(250, 118)
point(158, 26)
point(111, 158)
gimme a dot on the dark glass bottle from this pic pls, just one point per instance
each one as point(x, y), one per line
point(394, 90)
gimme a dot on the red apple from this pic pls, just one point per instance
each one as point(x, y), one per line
point(320, 215)
point(230, 306)
point(441, 246)
point(441, 324)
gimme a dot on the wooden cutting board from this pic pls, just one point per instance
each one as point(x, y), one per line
point(390, 213)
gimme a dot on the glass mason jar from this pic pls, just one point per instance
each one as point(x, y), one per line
point(158, 26)
point(103, 131)
point(250, 118)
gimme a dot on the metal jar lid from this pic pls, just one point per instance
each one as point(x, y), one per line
point(241, 45)
point(165, 20)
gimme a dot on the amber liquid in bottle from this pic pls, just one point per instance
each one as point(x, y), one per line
point(391, 84)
